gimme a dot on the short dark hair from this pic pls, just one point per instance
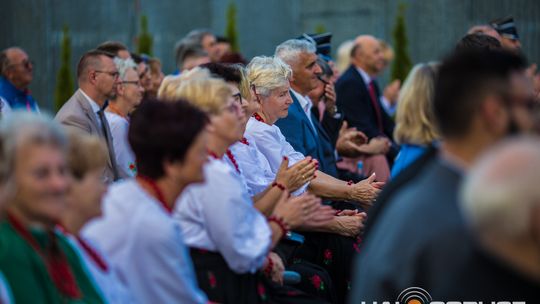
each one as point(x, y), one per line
point(112, 47)
point(90, 58)
point(478, 41)
point(221, 39)
point(185, 49)
point(465, 78)
point(227, 72)
point(162, 131)
point(138, 58)
point(325, 67)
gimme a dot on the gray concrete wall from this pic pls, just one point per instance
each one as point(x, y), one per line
point(433, 25)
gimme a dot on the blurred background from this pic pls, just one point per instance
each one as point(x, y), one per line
point(432, 27)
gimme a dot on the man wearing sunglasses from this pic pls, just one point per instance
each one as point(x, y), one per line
point(16, 75)
point(98, 81)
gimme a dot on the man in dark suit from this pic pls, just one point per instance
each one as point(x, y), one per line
point(84, 111)
point(358, 94)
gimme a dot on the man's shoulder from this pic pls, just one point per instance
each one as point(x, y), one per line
point(73, 106)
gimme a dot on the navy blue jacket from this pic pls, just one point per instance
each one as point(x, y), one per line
point(354, 100)
point(300, 134)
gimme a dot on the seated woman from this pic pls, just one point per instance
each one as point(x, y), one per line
point(128, 96)
point(137, 231)
point(229, 238)
point(415, 123)
point(269, 82)
point(86, 159)
point(37, 261)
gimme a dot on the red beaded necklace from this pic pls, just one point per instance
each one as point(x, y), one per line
point(229, 155)
point(258, 117)
point(233, 160)
point(160, 196)
point(55, 260)
point(244, 141)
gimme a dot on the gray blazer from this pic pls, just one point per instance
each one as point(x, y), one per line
point(77, 114)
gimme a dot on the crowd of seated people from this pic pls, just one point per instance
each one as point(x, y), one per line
point(279, 179)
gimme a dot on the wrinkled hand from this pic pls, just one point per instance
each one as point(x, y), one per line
point(350, 225)
point(295, 210)
point(298, 174)
point(365, 191)
point(278, 268)
point(350, 141)
point(391, 92)
point(320, 217)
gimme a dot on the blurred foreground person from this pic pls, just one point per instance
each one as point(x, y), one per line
point(86, 159)
point(501, 204)
point(137, 231)
point(38, 261)
point(480, 98)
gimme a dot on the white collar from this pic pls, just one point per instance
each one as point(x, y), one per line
point(365, 76)
point(304, 101)
point(93, 104)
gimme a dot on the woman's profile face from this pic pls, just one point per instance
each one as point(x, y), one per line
point(88, 192)
point(276, 105)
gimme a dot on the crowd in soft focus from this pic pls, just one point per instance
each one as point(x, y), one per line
point(291, 178)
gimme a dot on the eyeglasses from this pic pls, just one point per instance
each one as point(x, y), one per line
point(25, 63)
point(135, 82)
point(112, 74)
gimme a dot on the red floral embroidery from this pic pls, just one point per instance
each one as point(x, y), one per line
point(356, 244)
point(261, 291)
point(317, 282)
point(212, 279)
point(327, 256)
point(132, 167)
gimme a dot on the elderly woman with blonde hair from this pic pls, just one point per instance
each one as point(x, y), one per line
point(415, 122)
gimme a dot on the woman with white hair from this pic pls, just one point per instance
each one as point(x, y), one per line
point(269, 81)
point(129, 94)
point(38, 262)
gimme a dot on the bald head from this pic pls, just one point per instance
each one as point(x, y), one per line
point(501, 193)
point(367, 54)
point(16, 67)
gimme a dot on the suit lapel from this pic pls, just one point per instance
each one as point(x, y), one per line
point(88, 111)
point(296, 105)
